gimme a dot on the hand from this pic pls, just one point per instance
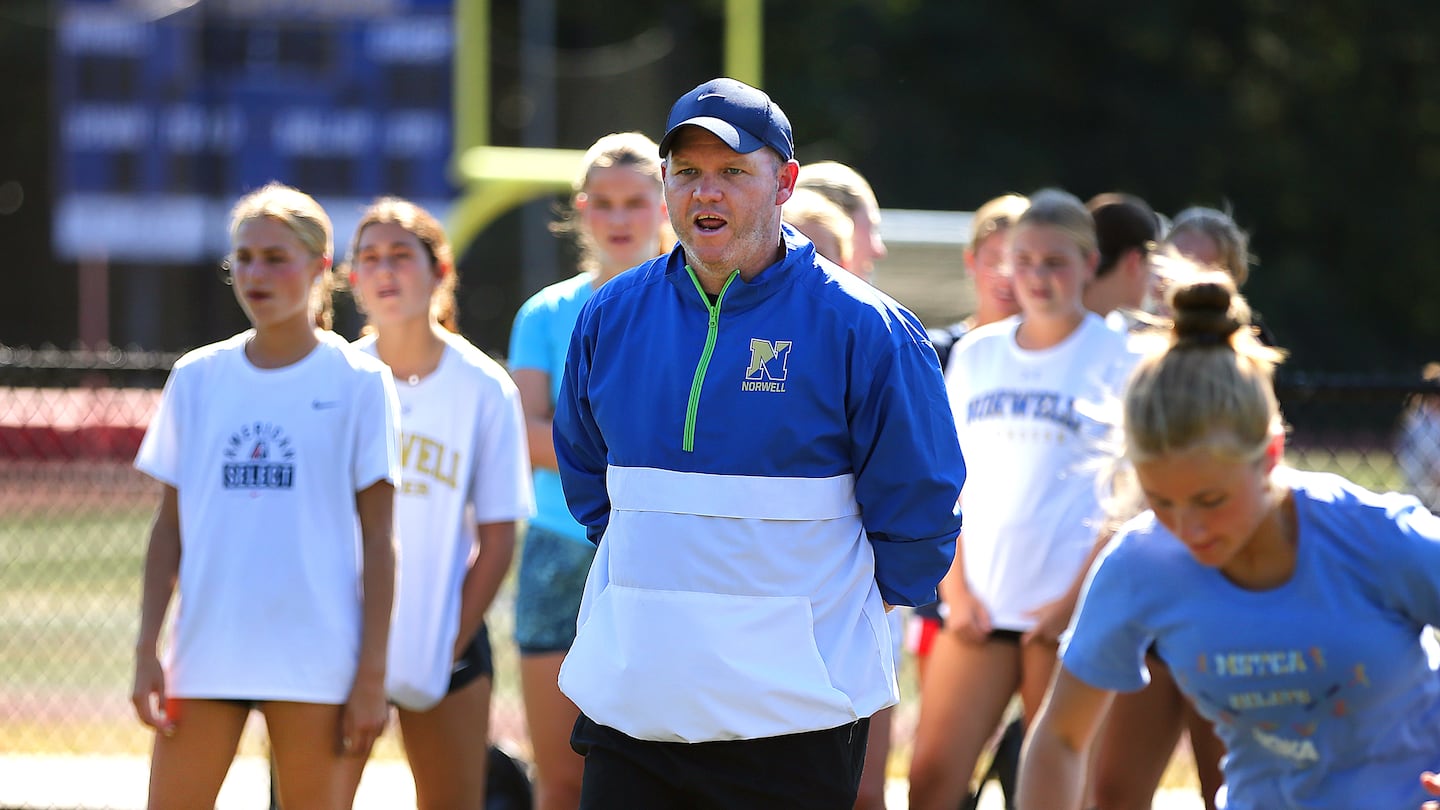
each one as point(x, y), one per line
point(1051, 619)
point(1431, 782)
point(967, 617)
point(148, 695)
point(364, 718)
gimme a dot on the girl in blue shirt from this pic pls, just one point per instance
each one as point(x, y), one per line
point(1289, 606)
point(619, 221)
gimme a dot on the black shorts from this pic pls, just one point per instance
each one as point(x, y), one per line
point(815, 770)
point(1009, 636)
point(474, 662)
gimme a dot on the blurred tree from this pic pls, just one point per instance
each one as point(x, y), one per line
point(1317, 124)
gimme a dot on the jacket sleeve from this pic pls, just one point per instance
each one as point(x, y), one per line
point(908, 466)
point(580, 449)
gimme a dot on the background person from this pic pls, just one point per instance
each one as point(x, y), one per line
point(823, 222)
point(466, 483)
point(618, 218)
point(1033, 401)
point(1417, 449)
point(1127, 232)
point(984, 259)
point(819, 215)
point(1330, 702)
point(277, 451)
point(1141, 728)
point(1211, 238)
point(783, 468)
point(848, 189)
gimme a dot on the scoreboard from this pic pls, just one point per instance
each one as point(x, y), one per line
point(168, 110)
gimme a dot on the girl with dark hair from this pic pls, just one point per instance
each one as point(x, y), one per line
point(465, 486)
point(1035, 399)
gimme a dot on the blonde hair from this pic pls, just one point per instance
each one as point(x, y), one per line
point(1429, 373)
point(1234, 243)
point(1212, 386)
point(1063, 211)
point(423, 225)
point(995, 216)
point(305, 218)
point(840, 184)
point(814, 215)
point(633, 150)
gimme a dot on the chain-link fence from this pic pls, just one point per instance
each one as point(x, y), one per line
point(74, 523)
point(74, 519)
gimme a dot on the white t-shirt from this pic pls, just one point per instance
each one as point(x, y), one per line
point(267, 463)
point(465, 461)
point(1037, 428)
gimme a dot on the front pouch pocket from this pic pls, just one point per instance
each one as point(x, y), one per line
point(693, 667)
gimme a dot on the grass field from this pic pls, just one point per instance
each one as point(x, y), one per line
point(69, 610)
point(1373, 469)
point(68, 589)
point(68, 606)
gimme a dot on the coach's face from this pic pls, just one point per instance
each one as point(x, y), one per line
point(725, 206)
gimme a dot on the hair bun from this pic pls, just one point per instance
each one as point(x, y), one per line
point(1208, 310)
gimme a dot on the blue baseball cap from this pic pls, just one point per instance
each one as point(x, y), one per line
point(736, 113)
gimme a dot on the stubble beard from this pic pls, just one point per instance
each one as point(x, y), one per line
point(743, 251)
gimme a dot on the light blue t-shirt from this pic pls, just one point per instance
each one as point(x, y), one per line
point(539, 340)
point(1319, 688)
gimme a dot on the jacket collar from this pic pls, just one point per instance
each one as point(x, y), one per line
point(741, 295)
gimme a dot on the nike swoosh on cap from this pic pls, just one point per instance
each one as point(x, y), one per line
point(704, 96)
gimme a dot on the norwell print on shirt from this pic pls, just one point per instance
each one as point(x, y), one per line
point(767, 369)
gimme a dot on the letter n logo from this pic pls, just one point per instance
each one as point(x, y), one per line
point(767, 360)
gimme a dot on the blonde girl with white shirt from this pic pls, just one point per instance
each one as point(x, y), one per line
point(277, 453)
point(1036, 402)
point(618, 219)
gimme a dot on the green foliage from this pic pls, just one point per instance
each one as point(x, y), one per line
point(1316, 124)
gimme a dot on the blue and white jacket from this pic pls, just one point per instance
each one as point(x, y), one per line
point(764, 471)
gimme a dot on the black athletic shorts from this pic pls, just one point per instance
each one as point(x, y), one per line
point(474, 662)
point(1009, 636)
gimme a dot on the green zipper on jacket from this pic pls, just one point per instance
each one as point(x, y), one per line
point(693, 406)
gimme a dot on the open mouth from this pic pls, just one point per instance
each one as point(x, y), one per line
point(709, 223)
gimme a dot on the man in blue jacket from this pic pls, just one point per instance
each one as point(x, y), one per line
point(761, 445)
